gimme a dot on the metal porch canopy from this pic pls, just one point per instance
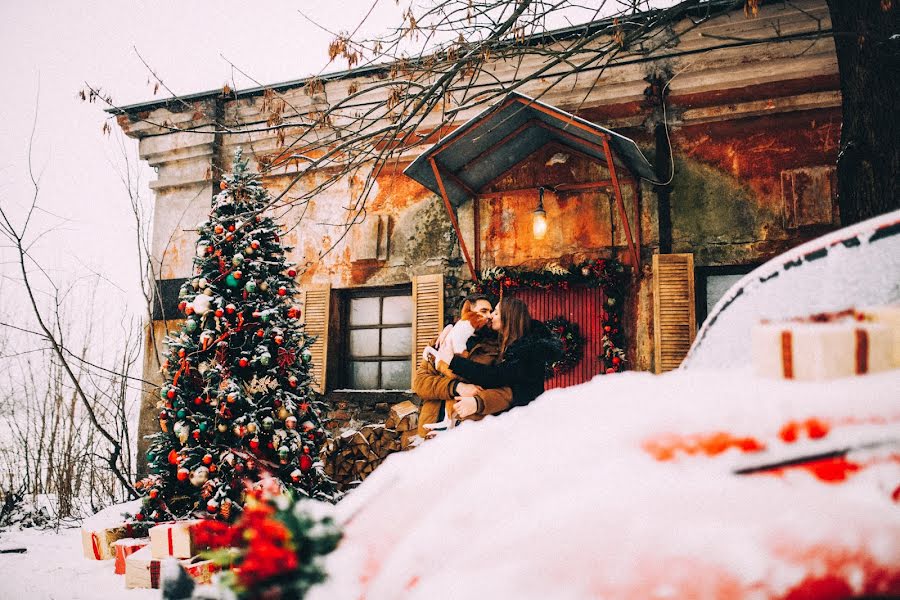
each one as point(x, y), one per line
point(476, 154)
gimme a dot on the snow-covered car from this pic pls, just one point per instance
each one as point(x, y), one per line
point(706, 482)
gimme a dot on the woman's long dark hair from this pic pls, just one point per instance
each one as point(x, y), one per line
point(516, 322)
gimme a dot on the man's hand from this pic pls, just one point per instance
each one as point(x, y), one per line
point(468, 389)
point(465, 406)
point(443, 335)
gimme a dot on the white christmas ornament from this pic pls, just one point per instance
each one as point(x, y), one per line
point(201, 303)
point(199, 476)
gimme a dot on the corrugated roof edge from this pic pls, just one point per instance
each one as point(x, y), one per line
point(556, 34)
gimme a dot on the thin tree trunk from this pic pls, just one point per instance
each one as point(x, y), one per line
point(868, 168)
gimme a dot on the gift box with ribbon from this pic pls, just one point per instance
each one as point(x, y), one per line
point(142, 570)
point(98, 543)
point(199, 569)
point(821, 350)
point(173, 539)
point(125, 548)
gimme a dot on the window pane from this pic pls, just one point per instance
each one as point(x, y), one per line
point(396, 342)
point(395, 374)
point(363, 375)
point(364, 311)
point(397, 309)
point(363, 342)
point(716, 286)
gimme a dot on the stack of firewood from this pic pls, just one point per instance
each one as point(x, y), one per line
point(350, 457)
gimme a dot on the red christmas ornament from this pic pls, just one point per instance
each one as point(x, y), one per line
point(207, 459)
point(279, 340)
point(170, 393)
point(237, 274)
point(219, 312)
point(219, 229)
point(296, 474)
point(163, 416)
point(243, 362)
point(173, 457)
point(153, 493)
point(139, 517)
point(230, 308)
point(616, 360)
point(282, 291)
point(254, 244)
point(294, 312)
point(183, 474)
point(182, 305)
point(212, 468)
point(223, 185)
point(607, 328)
point(254, 443)
point(231, 227)
point(260, 333)
point(198, 400)
point(212, 506)
point(292, 381)
point(196, 434)
point(306, 463)
point(292, 273)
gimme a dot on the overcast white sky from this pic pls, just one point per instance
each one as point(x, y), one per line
point(50, 49)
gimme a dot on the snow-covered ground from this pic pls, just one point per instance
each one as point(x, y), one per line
point(55, 568)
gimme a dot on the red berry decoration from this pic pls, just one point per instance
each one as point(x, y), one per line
point(306, 462)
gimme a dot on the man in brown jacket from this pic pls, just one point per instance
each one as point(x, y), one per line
point(439, 393)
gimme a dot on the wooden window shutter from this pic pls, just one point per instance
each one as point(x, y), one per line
point(428, 313)
point(674, 319)
point(316, 308)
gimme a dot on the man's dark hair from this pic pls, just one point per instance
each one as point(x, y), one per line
point(475, 297)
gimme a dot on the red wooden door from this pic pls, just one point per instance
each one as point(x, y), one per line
point(581, 305)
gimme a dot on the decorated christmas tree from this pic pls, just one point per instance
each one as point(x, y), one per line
point(236, 406)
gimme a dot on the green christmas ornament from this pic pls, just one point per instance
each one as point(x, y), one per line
point(250, 286)
point(231, 282)
point(191, 325)
point(265, 316)
point(284, 452)
point(203, 425)
point(265, 359)
point(268, 423)
point(181, 413)
point(306, 355)
point(237, 260)
point(163, 391)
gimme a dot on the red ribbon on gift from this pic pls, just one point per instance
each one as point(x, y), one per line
point(95, 544)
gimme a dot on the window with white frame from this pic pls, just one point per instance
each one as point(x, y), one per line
point(378, 339)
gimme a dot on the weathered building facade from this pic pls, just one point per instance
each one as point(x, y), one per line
point(749, 106)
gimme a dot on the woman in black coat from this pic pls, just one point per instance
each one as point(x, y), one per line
point(526, 347)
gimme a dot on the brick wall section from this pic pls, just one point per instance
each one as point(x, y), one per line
point(354, 409)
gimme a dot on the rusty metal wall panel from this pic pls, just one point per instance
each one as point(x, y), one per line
point(581, 305)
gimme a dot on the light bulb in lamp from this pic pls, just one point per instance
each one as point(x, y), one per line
point(539, 222)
